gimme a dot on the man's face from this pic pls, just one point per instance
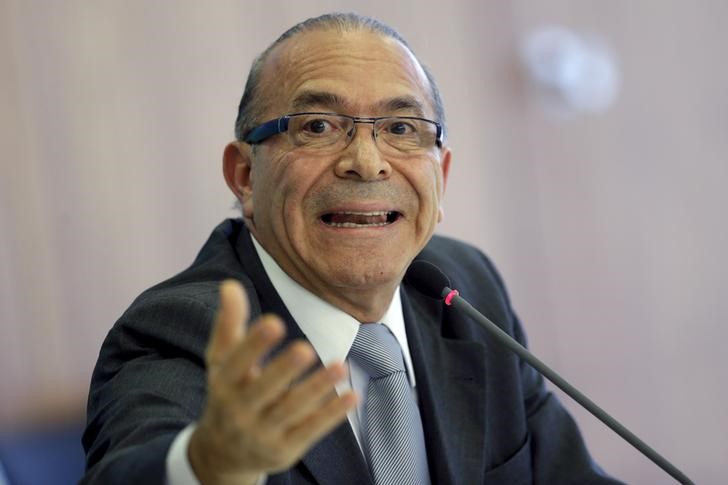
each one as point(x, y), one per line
point(321, 216)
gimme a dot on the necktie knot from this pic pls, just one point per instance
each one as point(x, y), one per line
point(377, 351)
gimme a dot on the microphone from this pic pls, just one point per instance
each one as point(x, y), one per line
point(428, 279)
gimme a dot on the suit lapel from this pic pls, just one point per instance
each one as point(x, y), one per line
point(450, 384)
point(337, 458)
point(450, 377)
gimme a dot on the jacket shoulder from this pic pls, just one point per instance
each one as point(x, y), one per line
point(218, 260)
point(467, 267)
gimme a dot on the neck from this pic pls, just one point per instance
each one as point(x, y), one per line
point(367, 304)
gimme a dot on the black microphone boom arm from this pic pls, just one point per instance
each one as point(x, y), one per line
point(452, 298)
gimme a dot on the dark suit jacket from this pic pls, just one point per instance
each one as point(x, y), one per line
point(487, 417)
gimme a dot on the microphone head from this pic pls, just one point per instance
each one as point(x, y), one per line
point(427, 278)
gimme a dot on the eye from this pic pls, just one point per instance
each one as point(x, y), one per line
point(316, 129)
point(317, 126)
point(401, 127)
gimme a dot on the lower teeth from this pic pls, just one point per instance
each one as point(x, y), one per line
point(352, 224)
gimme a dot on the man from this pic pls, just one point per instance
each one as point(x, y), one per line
point(340, 168)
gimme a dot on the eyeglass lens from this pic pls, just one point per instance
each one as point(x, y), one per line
point(317, 131)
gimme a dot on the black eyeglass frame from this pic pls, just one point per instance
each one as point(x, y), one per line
point(280, 125)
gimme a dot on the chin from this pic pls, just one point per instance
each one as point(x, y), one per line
point(366, 276)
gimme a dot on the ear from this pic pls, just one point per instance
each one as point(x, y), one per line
point(236, 166)
point(445, 167)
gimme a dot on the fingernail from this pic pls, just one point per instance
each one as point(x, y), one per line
point(267, 329)
point(301, 355)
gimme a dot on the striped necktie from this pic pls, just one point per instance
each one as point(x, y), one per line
point(392, 433)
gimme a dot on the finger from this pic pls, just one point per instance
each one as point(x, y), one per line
point(276, 378)
point(242, 363)
point(317, 425)
point(306, 397)
point(229, 326)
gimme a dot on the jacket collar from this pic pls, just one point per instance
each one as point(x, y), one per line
point(451, 387)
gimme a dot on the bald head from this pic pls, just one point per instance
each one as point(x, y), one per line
point(256, 100)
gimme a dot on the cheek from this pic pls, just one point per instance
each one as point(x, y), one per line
point(429, 185)
point(287, 187)
point(430, 190)
point(264, 180)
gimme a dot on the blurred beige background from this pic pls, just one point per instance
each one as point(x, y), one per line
point(609, 228)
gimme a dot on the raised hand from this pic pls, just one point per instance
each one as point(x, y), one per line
point(260, 419)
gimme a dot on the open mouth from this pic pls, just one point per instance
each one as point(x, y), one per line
point(360, 219)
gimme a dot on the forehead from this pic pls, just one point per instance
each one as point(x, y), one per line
point(365, 72)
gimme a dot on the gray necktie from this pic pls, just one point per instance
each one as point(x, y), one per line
point(394, 443)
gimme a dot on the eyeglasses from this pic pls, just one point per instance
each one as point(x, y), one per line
point(331, 132)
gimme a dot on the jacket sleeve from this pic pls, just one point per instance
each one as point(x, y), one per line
point(148, 384)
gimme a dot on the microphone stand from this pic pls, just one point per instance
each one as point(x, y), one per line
point(452, 298)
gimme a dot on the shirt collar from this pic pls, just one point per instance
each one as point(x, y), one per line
point(330, 330)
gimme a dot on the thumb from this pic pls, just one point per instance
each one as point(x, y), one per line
point(230, 322)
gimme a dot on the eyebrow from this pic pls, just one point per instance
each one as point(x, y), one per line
point(310, 99)
point(403, 103)
point(326, 100)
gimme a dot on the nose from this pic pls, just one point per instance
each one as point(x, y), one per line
point(362, 160)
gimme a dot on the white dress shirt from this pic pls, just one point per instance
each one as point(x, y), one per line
point(331, 333)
